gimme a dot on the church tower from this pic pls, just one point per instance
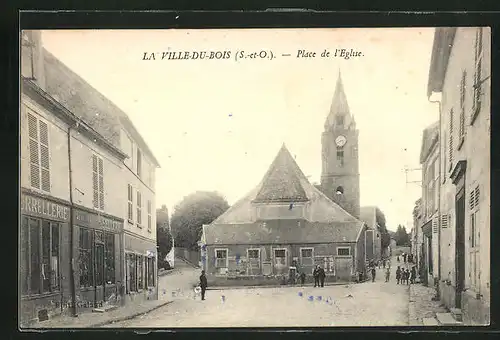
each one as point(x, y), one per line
point(340, 165)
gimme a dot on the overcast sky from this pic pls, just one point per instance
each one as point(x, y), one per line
point(218, 124)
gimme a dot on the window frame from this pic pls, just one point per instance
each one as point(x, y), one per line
point(478, 70)
point(302, 257)
point(461, 125)
point(130, 203)
point(226, 250)
point(27, 254)
point(149, 204)
point(339, 248)
point(139, 163)
point(139, 209)
point(33, 117)
point(285, 257)
point(98, 182)
point(251, 261)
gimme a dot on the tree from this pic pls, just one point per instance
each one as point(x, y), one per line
point(402, 237)
point(385, 238)
point(195, 210)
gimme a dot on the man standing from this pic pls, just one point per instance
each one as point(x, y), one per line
point(203, 284)
point(373, 273)
point(321, 275)
point(316, 276)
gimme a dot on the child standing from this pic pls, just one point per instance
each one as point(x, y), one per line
point(387, 274)
point(398, 275)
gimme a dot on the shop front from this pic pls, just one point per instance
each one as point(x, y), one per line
point(44, 253)
point(141, 275)
point(98, 249)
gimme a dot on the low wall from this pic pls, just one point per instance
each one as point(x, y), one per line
point(271, 280)
point(191, 256)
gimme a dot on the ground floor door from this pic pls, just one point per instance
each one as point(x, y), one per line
point(459, 247)
point(99, 270)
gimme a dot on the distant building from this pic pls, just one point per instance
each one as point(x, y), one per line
point(284, 222)
point(373, 245)
point(429, 159)
point(460, 72)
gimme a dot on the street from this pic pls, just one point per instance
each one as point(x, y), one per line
point(367, 304)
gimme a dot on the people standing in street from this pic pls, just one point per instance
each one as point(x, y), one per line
point(407, 276)
point(321, 276)
point(397, 258)
point(383, 262)
point(398, 275)
point(302, 278)
point(404, 257)
point(203, 284)
point(413, 275)
point(373, 273)
point(316, 276)
point(387, 274)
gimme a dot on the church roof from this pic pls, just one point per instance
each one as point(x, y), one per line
point(339, 106)
point(326, 218)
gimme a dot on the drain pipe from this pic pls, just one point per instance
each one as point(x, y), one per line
point(71, 228)
point(440, 140)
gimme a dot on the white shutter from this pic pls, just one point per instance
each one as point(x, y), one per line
point(34, 154)
point(95, 181)
point(44, 156)
point(101, 184)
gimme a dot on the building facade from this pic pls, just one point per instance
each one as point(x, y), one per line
point(72, 200)
point(283, 227)
point(429, 160)
point(418, 240)
point(460, 77)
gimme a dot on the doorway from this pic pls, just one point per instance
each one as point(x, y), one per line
point(459, 247)
point(99, 286)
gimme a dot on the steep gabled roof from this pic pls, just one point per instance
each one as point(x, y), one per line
point(323, 219)
point(281, 182)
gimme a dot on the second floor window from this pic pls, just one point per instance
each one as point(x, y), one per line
point(478, 80)
point(130, 203)
point(39, 153)
point(149, 216)
point(139, 209)
point(98, 182)
point(139, 163)
point(461, 132)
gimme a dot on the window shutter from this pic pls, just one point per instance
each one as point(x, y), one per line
point(450, 141)
point(434, 225)
point(471, 200)
point(44, 156)
point(101, 184)
point(95, 179)
point(34, 155)
point(462, 104)
point(444, 221)
point(476, 196)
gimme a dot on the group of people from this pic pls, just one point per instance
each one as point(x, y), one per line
point(405, 276)
point(407, 258)
point(319, 276)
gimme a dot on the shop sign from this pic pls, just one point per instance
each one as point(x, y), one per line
point(84, 218)
point(41, 207)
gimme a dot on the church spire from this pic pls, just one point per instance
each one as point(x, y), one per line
point(339, 107)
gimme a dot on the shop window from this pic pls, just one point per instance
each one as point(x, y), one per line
point(85, 258)
point(39, 153)
point(39, 256)
point(110, 258)
point(132, 270)
point(150, 272)
point(140, 272)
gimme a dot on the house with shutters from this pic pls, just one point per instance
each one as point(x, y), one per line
point(283, 223)
point(459, 78)
point(429, 160)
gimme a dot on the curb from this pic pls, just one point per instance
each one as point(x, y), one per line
point(128, 317)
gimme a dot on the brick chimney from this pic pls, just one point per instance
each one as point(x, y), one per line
point(32, 65)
